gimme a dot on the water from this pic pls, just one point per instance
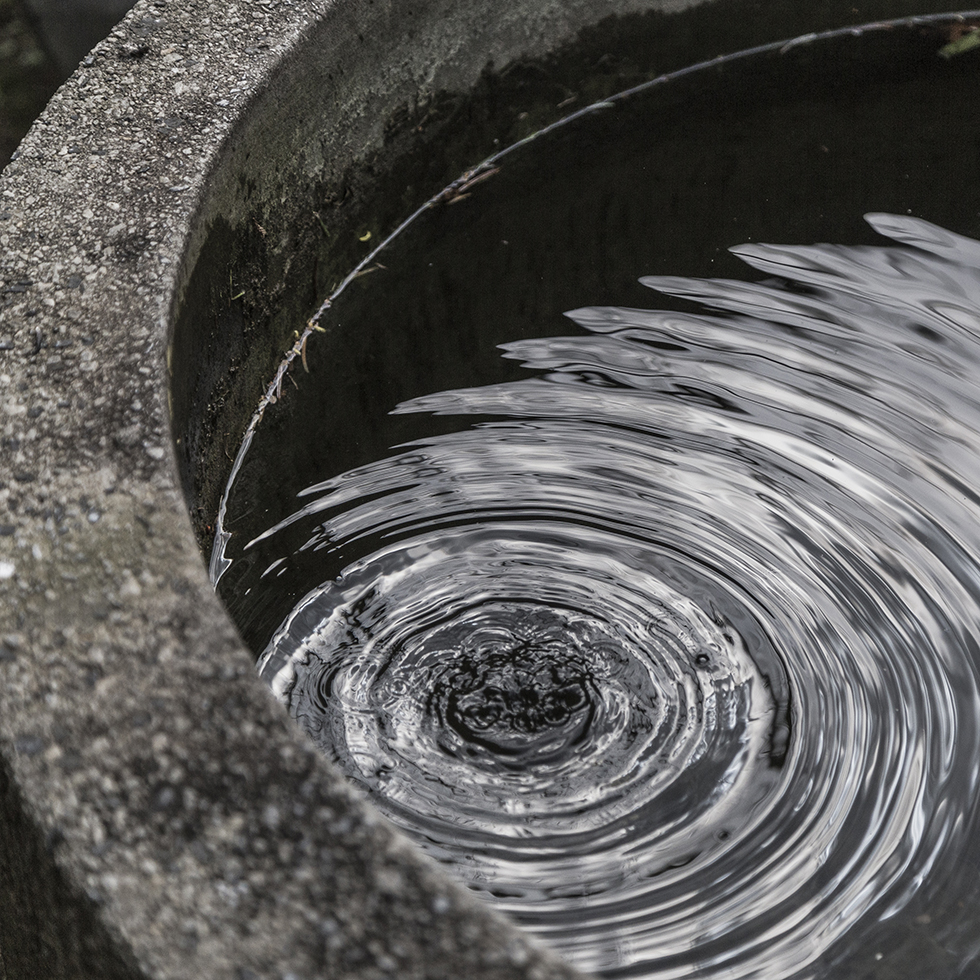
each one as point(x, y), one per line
point(662, 631)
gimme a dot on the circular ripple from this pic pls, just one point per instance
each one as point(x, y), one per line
point(677, 660)
point(432, 677)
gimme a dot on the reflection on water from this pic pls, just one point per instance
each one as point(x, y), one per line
point(672, 654)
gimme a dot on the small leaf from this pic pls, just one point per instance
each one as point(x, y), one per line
point(365, 237)
point(961, 44)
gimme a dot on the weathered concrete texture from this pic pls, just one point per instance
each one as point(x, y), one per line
point(159, 815)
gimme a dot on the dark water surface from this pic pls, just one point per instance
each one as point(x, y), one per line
point(660, 624)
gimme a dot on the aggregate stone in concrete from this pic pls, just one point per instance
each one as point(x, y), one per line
point(160, 816)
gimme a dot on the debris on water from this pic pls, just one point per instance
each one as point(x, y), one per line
point(964, 39)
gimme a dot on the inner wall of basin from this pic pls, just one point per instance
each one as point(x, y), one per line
point(367, 119)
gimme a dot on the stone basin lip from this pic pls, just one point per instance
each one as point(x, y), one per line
point(159, 815)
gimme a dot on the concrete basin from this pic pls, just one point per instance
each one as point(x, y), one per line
point(160, 816)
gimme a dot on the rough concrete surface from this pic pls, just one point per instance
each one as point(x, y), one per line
point(160, 816)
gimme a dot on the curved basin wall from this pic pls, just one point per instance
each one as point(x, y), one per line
point(158, 815)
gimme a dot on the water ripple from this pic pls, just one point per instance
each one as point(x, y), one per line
point(673, 652)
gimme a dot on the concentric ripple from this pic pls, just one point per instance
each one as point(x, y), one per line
point(673, 654)
point(474, 678)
